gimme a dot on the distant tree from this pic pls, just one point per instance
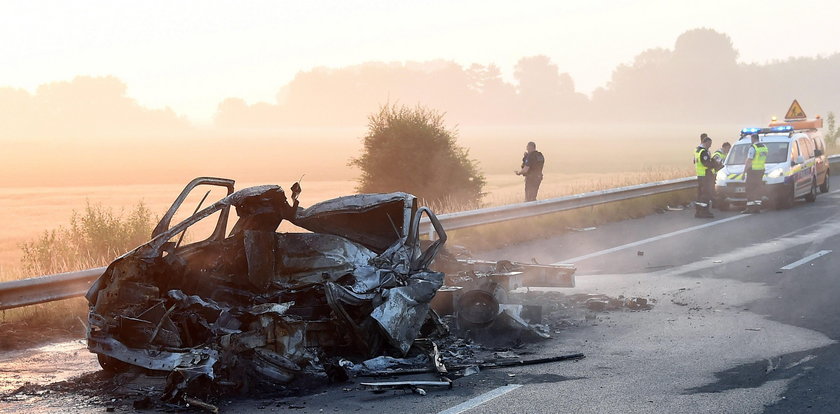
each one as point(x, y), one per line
point(539, 77)
point(706, 48)
point(832, 133)
point(410, 149)
point(84, 108)
point(544, 93)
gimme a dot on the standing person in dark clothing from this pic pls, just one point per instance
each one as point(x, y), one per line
point(705, 166)
point(532, 167)
point(754, 170)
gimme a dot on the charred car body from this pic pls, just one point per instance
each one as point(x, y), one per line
point(254, 306)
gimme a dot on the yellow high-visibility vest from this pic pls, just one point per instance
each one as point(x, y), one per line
point(698, 162)
point(760, 157)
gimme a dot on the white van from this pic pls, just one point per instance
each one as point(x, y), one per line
point(796, 167)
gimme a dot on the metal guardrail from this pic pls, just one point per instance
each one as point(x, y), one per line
point(42, 289)
point(491, 215)
point(73, 284)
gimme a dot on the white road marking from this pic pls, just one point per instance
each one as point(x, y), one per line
point(804, 260)
point(481, 399)
point(651, 239)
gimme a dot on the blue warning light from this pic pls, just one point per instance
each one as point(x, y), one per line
point(781, 128)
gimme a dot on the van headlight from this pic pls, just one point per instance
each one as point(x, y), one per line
point(721, 175)
point(778, 172)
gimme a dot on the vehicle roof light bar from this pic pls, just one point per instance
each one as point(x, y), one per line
point(770, 130)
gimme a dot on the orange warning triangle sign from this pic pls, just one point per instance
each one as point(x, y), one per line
point(795, 112)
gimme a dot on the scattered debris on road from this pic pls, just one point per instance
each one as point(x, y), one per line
point(461, 370)
point(414, 386)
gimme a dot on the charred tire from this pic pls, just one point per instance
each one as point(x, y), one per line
point(812, 195)
point(824, 186)
point(112, 365)
point(478, 307)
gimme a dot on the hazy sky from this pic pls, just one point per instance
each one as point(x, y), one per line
point(190, 55)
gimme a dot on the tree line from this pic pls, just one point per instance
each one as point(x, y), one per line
point(698, 80)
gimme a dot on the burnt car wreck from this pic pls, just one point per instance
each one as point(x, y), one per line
point(253, 307)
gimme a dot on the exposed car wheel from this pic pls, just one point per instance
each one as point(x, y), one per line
point(112, 365)
point(812, 195)
point(785, 199)
point(824, 186)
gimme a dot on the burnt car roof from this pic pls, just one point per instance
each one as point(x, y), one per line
point(376, 221)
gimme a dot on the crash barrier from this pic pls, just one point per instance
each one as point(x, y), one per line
point(483, 216)
point(48, 288)
point(42, 289)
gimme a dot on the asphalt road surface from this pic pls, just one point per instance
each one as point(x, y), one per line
point(746, 319)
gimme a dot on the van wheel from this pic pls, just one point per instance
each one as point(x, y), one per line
point(824, 186)
point(812, 195)
point(785, 200)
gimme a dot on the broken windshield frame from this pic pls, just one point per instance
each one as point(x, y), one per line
point(221, 224)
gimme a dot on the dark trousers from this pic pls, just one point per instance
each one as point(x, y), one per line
point(705, 190)
point(754, 187)
point(532, 185)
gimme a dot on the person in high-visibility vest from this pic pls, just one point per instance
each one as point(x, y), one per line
point(754, 171)
point(720, 155)
point(704, 166)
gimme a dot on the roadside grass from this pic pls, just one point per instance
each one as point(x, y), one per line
point(94, 237)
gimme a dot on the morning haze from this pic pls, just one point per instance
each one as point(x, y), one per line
point(89, 130)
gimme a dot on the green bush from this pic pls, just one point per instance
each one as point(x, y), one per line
point(411, 150)
point(94, 238)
